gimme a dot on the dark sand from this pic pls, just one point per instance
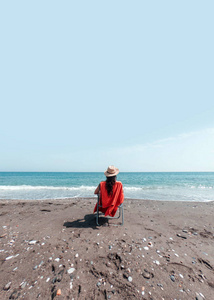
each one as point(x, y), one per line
point(165, 250)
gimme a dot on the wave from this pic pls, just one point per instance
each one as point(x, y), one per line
point(199, 193)
point(57, 188)
point(91, 188)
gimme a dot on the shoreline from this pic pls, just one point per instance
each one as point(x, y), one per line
point(163, 251)
point(94, 198)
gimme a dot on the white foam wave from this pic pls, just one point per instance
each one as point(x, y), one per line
point(132, 188)
point(57, 188)
point(170, 193)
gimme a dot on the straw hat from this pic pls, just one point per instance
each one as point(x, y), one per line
point(111, 171)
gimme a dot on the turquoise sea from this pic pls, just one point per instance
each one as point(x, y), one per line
point(170, 186)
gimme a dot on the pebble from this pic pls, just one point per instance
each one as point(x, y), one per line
point(172, 277)
point(9, 257)
point(146, 275)
point(71, 270)
point(199, 296)
point(146, 248)
point(7, 286)
point(130, 279)
point(77, 255)
point(32, 242)
point(156, 262)
point(23, 285)
point(57, 259)
point(71, 285)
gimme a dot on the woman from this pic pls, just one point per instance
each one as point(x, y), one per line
point(111, 192)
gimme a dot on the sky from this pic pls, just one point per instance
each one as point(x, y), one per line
point(87, 84)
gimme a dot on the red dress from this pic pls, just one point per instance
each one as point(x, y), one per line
point(110, 203)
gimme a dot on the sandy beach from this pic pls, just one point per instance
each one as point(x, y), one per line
point(164, 250)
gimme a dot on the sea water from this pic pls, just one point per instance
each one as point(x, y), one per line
point(164, 186)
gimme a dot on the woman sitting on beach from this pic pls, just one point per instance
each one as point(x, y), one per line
point(111, 192)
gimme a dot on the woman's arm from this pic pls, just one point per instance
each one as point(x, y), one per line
point(97, 190)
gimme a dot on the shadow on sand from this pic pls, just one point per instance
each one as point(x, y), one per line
point(89, 221)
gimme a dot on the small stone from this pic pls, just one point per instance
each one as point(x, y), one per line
point(7, 286)
point(77, 255)
point(130, 279)
point(57, 259)
point(41, 263)
point(9, 257)
point(172, 277)
point(23, 285)
point(146, 275)
point(199, 296)
point(156, 262)
point(98, 283)
point(146, 248)
point(71, 270)
point(59, 292)
point(32, 242)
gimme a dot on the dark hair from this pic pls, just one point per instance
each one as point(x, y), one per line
point(110, 181)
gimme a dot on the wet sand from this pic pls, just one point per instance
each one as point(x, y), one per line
point(164, 250)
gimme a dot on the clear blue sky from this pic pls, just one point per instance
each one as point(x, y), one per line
point(85, 84)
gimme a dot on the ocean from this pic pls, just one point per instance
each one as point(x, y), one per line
point(163, 186)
